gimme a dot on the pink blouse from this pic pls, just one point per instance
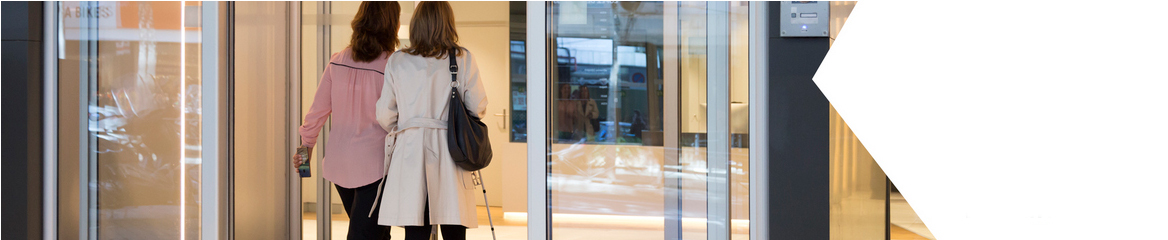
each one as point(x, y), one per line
point(349, 90)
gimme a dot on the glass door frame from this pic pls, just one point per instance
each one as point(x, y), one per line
point(216, 141)
point(539, 144)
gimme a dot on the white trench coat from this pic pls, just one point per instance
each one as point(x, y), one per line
point(413, 109)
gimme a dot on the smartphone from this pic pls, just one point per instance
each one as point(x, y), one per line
point(304, 169)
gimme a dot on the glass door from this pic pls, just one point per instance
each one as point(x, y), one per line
point(646, 120)
point(132, 117)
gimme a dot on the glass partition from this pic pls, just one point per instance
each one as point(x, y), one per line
point(647, 136)
point(739, 109)
point(136, 67)
point(263, 60)
point(603, 174)
point(692, 139)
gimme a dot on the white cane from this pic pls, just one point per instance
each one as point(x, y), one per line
point(489, 219)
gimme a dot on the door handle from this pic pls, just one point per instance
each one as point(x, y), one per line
point(504, 115)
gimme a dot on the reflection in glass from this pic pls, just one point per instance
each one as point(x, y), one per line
point(739, 120)
point(692, 168)
point(140, 63)
point(518, 85)
point(606, 95)
point(518, 70)
point(606, 117)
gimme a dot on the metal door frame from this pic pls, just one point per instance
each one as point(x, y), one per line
point(216, 64)
point(295, 19)
point(49, 207)
point(538, 210)
point(759, 189)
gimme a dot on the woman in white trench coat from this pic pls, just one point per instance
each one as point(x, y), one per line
point(413, 104)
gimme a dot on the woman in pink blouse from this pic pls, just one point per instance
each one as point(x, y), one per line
point(349, 91)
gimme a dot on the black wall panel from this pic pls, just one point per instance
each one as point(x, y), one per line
point(798, 134)
point(23, 116)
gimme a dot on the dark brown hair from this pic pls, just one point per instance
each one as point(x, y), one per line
point(432, 31)
point(375, 30)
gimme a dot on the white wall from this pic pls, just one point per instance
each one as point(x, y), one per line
point(739, 55)
point(693, 67)
point(484, 30)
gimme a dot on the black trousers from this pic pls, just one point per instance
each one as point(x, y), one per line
point(449, 232)
point(357, 203)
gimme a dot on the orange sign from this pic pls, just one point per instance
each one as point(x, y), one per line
point(164, 15)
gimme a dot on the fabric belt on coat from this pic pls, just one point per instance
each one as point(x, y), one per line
point(391, 143)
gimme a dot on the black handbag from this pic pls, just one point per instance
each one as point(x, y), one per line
point(466, 134)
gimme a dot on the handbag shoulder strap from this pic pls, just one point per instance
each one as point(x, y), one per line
point(453, 66)
point(453, 79)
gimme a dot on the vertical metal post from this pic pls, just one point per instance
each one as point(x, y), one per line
point(293, 117)
point(323, 190)
point(215, 213)
point(49, 205)
point(671, 127)
point(87, 159)
point(718, 120)
point(887, 208)
point(758, 120)
point(538, 216)
point(226, 112)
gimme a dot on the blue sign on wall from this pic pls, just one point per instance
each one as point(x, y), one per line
point(638, 78)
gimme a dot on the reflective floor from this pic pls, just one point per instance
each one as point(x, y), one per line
point(899, 233)
point(504, 229)
point(905, 226)
point(569, 226)
point(905, 223)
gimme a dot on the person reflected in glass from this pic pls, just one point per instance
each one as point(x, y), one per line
point(638, 125)
point(589, 114)
point(578, 121)
point(566, 112)
point(348, 91)
point(424, 186)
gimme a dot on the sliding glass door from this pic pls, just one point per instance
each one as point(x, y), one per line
point(646, 120)
point(133, 155)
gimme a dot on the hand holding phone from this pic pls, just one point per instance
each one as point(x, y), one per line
point(303, 157)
